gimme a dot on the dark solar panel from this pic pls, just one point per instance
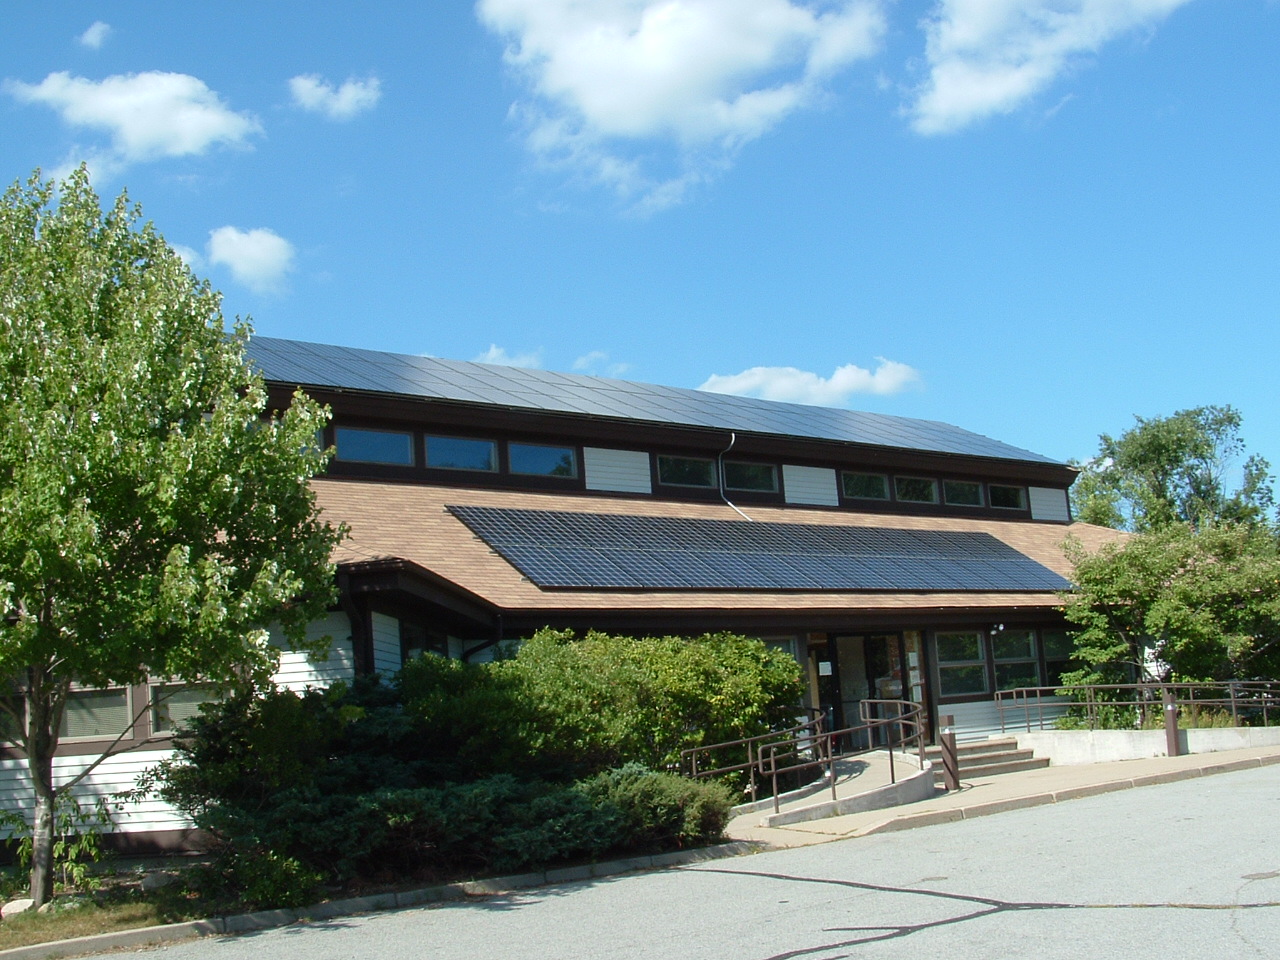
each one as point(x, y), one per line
point(609, 551)
point(318, 365)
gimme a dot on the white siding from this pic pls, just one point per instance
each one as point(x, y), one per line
point(386, 645)
point(618, 471)
point(973, 721)
point(115, 774)
point(813, 485)
point(1049, 504)
point(298, 670)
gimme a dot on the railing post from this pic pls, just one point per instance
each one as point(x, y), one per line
point(950, 760)
point(1170, 722)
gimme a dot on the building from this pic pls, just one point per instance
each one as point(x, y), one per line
point(893, 557)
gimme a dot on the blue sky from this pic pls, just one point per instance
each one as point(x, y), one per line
point(1031, 218)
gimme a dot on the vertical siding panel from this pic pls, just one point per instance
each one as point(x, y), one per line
point(386, 645)
point(1048, 503)
point(616, 471)
point(810, 485)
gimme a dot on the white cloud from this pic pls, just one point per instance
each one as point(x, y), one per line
point(147, 115)
point(800, 386)
point(312, 92)
point(96, 35)
point(259, 258)
point(598, 360)
point(496, 354)
point(188, 255)
point(989, 57)
point(701, 77)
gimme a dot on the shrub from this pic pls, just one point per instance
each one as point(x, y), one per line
point(662, 810)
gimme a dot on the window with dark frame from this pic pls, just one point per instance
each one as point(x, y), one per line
point(686, 472)
point(542, 460)
point(915, 489)
point(363, 445)
point(750, 477)
point(864, 486)
point(962, 663)
point(1007, 498)
point(1016, 661)
point(962, 493)
point(1059, 650)
point(173, 705)
point(462, 453)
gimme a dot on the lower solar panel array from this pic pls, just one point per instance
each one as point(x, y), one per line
point(606, 551)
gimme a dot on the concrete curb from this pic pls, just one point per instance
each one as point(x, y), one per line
point(270, 919)
point(909, 821)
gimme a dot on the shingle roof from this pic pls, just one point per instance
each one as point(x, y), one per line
point(411, 522)
point(349, 368)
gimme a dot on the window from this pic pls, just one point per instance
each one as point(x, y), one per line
point(95, 715)
point(755, 477)
point(962, 665)
point(1008, 498)
point(686, 472)
point(373, 446)
point(916, 489)
point(538, 460)
point(174, 704)
point(1014, 652)
point(462, 453)
point(865, 486)
point(1058, 650)
point(962, 493)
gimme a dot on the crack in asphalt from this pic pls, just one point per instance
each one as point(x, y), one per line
point(990, 906)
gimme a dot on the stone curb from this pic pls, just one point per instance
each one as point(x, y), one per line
point(270, 919)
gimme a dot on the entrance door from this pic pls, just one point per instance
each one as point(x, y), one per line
point(870, 668)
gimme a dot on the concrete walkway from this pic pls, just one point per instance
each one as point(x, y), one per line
point(982, 796)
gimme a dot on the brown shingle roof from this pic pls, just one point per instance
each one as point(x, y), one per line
point(409, 522)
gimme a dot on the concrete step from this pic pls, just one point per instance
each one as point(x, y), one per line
point(988, 758)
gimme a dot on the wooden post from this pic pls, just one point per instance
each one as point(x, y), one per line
point(1170, 722)
point(950, 760)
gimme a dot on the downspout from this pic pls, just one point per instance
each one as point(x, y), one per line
point(733, 438)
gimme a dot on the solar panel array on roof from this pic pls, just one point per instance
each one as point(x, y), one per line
point(611, 551)
point(347, 368)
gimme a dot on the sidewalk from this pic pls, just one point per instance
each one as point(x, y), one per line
point(982, 796)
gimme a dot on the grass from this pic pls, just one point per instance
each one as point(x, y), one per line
point(118, 902)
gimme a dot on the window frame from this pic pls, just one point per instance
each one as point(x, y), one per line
point(974, 484)
point(410, 435)
point(571, 450)
point(128, 732)
point(983, 663)
point(845, 475)
point(1022, 496)
point(773, 474)
point(712, 472)
point(495, 458)
point(899, 498)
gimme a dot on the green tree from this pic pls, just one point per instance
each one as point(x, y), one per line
point(154, 520)
point(1177, 604)
point(1174, 469)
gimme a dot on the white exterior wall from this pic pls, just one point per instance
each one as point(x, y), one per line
point(113, 775)
point(811, 485)
point(973, 721)
point(1049, 504)
point(298, 670)
point(386, 645)
point(616, 471)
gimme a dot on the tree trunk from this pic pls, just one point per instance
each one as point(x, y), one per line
point(42, 848)
point(45, 700)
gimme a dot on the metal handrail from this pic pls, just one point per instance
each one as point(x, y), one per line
point(808, 746)
point(1148, 699)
